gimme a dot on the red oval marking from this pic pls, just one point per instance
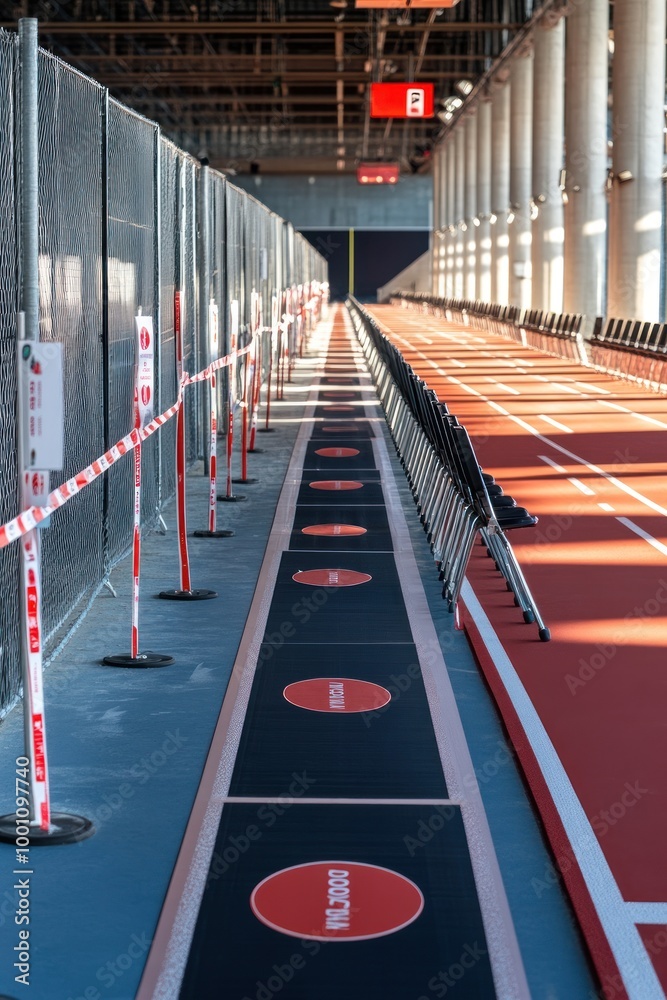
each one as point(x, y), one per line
point(343, 408)
point(338, 395)
point(336, 901)
point(335, 530)
point(338, 428)
point(337, 452)
point(336, 484)
point(331, 577)
point(337, 695)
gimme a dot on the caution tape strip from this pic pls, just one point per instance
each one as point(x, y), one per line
point(33, 516)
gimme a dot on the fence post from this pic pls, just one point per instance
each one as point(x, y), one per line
point(33, 823)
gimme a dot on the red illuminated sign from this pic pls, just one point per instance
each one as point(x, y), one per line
point(377, 173)
point(391, 4)
point(402, 100)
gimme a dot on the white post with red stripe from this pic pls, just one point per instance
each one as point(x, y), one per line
point(35, 487)
point(213, 340)
point(255, 365)
point(143, 414)
point(181, 507)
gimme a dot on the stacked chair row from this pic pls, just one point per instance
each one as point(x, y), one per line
point(455, 499)
point(554, 333)
point(630, 347)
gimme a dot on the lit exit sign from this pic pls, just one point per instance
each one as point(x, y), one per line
point(401, 100)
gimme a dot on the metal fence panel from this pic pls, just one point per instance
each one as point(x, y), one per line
point(118, 233)
point(132, 149)
point(10, 672)
point(70, 292)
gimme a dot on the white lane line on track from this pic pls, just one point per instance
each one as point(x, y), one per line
point(660, 546)
point(651, 504)
point(554, 465)
point(614, 406)
point(593, 388)
point(568, 388)
point(606, 506)
point(556, 423)
point(459, 364)
point(505, 388)
point(425, 339)
point(649, 420)
point(616, 919)
point(581, 486)
point(647, 913)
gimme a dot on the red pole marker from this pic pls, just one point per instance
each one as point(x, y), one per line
point(273, 341)
point(246, 403)
point(185, 593)
point(143, 415)
point(256, 384)
point(36, 733)
point(229, 496)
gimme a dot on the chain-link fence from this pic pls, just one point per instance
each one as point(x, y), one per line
point(120, 233)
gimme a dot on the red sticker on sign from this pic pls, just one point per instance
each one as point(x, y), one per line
point(336, 484)
point(336, 901)
point(337, 695)
point(331, 577)
point(144, 339)
point(337, 452)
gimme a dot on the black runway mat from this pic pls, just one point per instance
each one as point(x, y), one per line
point(342, 431)
point(343, 379)
point(386, 751)
point(334, 412)
point(369, 493)
point(373, 519)
point(364, 460)
point(236, 956)
point(370, 612)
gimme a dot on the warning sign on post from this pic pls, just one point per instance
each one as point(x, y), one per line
point(145, 369)
point(41, 374)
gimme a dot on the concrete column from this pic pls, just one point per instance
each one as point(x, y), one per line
point(585, 215)
point(500, 194)
point(483, 269)
point(437, 276)
point(470, 214)
point(521, 169)
point(548, 124)
point(450, 217)
point(635, 215)
point(459, 210)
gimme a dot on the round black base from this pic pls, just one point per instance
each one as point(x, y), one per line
point(143, 660)
point(255, 451)
point(245, 482)
point(266, 430)
point(187, 595)
point(65, 828)
point(545, 634)
point(232, 498)
point(205, 533)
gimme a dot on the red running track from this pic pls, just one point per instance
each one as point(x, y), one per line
point(588, 711)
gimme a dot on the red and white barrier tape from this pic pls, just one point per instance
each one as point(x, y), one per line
point(33, 516)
